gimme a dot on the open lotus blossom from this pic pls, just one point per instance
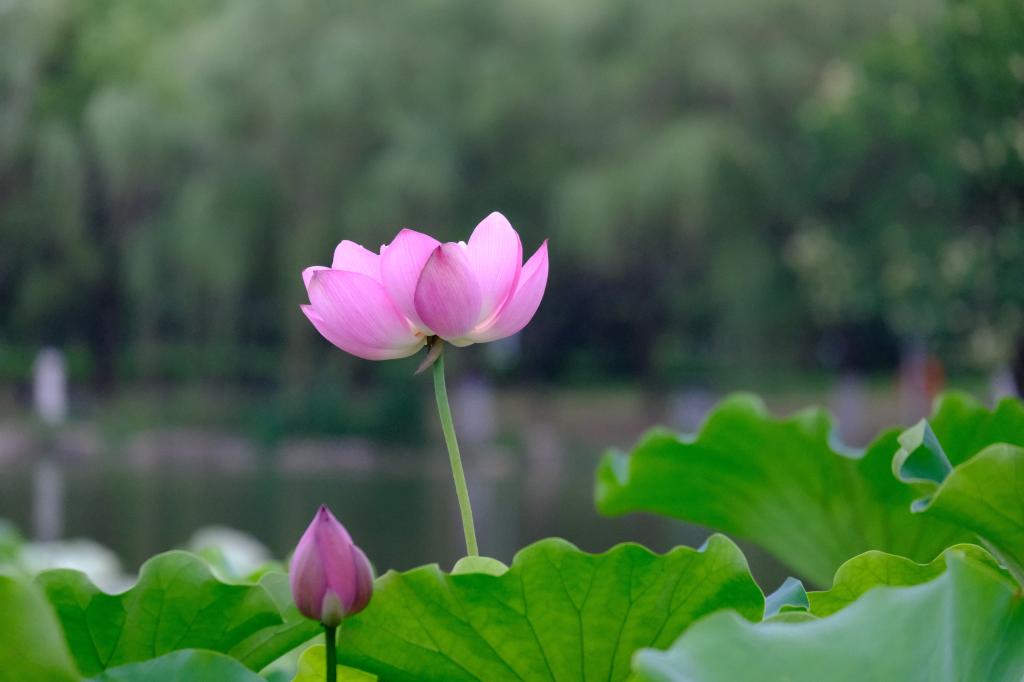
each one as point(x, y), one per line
point(385, 306)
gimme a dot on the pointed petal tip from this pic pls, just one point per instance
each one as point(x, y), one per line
point(355, 258)
point(538, 261)
point(522, 304)
point(408, 232)
point(495, 252)
point(310, 274)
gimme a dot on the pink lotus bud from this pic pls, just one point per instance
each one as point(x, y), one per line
point(385, 306)
point(331, 578)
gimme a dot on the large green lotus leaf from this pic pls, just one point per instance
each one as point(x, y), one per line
point(965, 427)
point(791, 596)
point(313, 664)
point(268, 644)
point(858, 575)
point(557, 614)
point(31, 643)
point(788, 486)
point(981, 492)
point(177, 603)
point(188, 665)
point(965, 625)
point(872, 569)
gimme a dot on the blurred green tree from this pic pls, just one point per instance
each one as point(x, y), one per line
point(917, 185)
point(167, 168)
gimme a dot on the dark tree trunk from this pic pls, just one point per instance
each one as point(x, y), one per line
point(104, 327)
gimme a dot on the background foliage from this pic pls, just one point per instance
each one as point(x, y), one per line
point(722, 182)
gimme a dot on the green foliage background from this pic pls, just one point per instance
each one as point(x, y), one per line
point(724, 184)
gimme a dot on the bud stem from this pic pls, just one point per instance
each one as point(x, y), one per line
point(331, 642)
point(444, 411)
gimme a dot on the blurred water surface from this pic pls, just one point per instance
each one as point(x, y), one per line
point(402, 513)
point(530, 458)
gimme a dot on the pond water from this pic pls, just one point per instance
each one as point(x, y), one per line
point(402, 512)
point(530, 459)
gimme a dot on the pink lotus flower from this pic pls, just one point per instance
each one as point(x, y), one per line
point(386, 306)
point(330, 577)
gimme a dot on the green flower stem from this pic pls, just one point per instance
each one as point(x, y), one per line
point(444, 411)
point(331, 643)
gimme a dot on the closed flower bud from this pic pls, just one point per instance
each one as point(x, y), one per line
point(331, 578)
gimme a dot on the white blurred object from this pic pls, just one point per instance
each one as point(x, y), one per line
point(50, 398)
point(1002, 384)
point(50, 386)
point(96, 561)
point(475, 411)
point(242, 554)
point(849, 403)
point(47, 500)
point(688, 407)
